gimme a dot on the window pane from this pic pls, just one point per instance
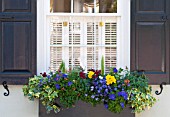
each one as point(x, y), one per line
point(83, 6)
point(60, 6)
point(107, 6)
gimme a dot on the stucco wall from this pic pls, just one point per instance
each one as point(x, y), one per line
point(162, 106)
point(16, 105)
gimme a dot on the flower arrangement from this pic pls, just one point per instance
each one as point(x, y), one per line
point(115, 90)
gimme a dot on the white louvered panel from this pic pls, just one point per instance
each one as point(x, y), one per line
point(92, 37)
point(56, 32)
point(92, 58)
point(92, 33)
point(110, 33)
point(110, 58)
point(110, 39)
point(55, 58)
point(74, 33)
point(74, 56)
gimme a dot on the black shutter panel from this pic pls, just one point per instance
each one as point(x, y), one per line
point(17, 40)
point(150, 39)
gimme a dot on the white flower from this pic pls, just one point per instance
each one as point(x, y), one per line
point(100, 77)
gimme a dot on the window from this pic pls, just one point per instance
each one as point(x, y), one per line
point(81, 38)
point(83, 6)
point(83, 41)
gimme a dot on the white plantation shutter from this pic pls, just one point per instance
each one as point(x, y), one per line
point(74, 43)
point(83, 42)
point(55, 39)
point(110, 42)
point(92, 41)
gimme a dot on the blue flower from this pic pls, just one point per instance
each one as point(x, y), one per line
point(92, 88)
point(93, 96)
point(115, 88)
point(123, 94)
point(86, 95)
point(100, 88)
point(106, 90)
point(104, 86)
point(57, 77)
point(96, 99)
point(48, 76)
point(57, 86)
point(112, 96)
point(122, 105)
point(98, 91)
point(128, 84)
point(106, 105)
point(64, 75)
point(70, 83)
point(119, 86)
point(115, 70)
point(41, 80)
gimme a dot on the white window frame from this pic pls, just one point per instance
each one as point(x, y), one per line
point(123, 32)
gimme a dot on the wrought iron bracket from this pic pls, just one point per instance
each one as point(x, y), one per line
point(5, 87)
point(161, 87)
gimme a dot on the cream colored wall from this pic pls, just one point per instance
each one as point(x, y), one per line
point(16, 105)
point(162, 106)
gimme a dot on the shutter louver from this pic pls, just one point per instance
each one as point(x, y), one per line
point(110, 40)
point(92, 40)
point(74, 40)
point(55, 58)
point(56, 33)
point(55, 39)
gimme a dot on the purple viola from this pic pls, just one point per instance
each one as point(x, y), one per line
point(112, 97)
point(115, 70)
point(70, 83)
point(123, 94)
point(57, 86)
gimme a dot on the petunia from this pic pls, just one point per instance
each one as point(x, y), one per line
point(57, 86)
point(112, 97)
point(70, 83)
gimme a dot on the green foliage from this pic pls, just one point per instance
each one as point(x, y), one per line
point(62, 67)
point(102, 66)
point(115, 90)
point(140, 94)
point(42, 88)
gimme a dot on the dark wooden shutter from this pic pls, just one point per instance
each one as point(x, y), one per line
point(17, 40)
point(150, 38)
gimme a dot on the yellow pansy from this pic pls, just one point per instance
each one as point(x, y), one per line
point(90, 75)
point(110, 79)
